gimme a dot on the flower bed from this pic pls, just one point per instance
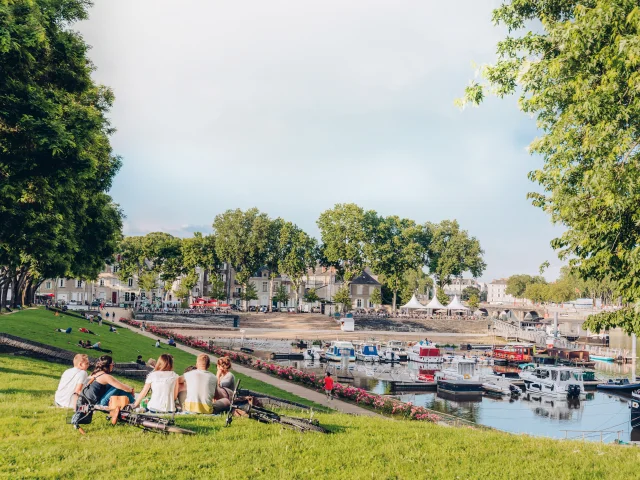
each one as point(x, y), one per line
point(312, 380)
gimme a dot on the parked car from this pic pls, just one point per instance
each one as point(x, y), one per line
point(235, 307)
point(253, 308)
point(292, 309)
point(108, 304)
point(264, 309)
point(95, 303)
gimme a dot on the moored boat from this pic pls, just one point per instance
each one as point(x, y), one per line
point(425, 353)
point(500, 385)
point(336, 350)
point(622, 385)
point(602, 358)
point(368, 352)
point(461, 379)
point(514, 353)
point(557, 382)
point(313, 353)
point(634, 405)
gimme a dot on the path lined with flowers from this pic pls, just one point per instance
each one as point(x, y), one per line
point(299, 390)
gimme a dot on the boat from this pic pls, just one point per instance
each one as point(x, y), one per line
point(336, 349)
point(634, 405)
point(313, 353)
point(602, 358)
point(425, 375)
point(556, 382)
point(500, 385)
point(461, 379)
point(368, 352)
point(622, 385)
point(514, 353)
point(393, 354)
point(425, 353)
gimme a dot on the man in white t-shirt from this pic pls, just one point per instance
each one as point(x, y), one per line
point(71, 382)
point(201, 387)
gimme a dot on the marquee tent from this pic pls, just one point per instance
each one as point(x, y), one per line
point(413, 304)
point(455, 305)
point(434, 304)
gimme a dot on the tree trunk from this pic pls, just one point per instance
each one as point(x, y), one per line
point(4, 290)
point(270, 292)
point(395, 293)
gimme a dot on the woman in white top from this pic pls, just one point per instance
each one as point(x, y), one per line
point(163, 383)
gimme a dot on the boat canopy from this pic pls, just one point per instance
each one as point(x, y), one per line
point(369, 350)
point(455, 305)
point(429, 352)
point(413, 304)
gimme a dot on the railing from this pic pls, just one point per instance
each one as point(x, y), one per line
point(584, 434)
point(507, 330)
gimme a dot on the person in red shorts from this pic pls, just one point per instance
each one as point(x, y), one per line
point(328, 386)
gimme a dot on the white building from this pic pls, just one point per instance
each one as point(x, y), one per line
point(496, 294)
point(457, 286)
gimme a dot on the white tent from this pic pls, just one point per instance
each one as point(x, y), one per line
point(455, 305)
point(413, 304)
point(434, 304)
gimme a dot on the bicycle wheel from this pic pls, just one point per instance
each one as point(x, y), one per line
point(182, 431)
point(302, 425)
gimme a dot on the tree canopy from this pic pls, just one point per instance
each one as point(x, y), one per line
point(575, 66)
point(56, 162)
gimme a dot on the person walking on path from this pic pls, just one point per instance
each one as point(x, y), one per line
point(328, 386)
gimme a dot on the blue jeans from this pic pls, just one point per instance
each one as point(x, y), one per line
point(117, 392)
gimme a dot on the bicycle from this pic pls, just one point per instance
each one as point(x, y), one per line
point(150, 423)
point(263, 415)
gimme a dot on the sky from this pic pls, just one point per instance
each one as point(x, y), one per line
point(294, 106)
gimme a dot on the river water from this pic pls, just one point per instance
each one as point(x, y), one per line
point(600, 414)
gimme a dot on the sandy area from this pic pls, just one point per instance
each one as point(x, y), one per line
point(310, 327)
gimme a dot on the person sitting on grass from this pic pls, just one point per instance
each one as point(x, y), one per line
point(103, 386)
point(201, 388)
point(182, 386)
point(152, 362)
point(140, 361)
point(171, 342)
point(226, 385)
point(62, 330)
point(86, 330)
point(72, 382)
point(163, 383)
point(113, 329)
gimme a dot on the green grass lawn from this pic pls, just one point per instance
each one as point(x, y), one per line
point(36, 442)
point(39, 325)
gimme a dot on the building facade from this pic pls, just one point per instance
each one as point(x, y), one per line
point(496, 294)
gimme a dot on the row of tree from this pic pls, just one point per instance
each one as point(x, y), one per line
point(56, 163)
point(569, 286)
point(352, 239)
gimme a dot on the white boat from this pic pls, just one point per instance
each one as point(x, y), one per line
point(425, 353)
point(393, 354)
point(500, 385)
point(313, 353)
point(368, 352)
point(336, 350)
point(556, 382)
point(460, 379)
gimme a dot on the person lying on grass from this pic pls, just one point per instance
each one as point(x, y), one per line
point(86, 330)
point(201, 388)
point(163, 383)
point(71, 382)
point(62, 330)
point(97, 346)
point(103, 385)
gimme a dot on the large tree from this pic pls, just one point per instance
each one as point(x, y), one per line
point(395, 247)
point(199, 252)
point(452, 252)
point(242, 239)
point(575, 67)
point(517, 284)
point(56, 163)
point(415, 282)
point(343, 230)
point(299, 253)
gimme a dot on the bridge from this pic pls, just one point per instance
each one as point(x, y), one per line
point(510, 331)
point(514, 312)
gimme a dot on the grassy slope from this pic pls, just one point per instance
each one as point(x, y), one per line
point(39, 325)
point(37, 443)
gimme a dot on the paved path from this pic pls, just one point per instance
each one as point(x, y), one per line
point(300, 391)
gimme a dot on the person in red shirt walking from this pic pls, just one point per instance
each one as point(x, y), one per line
point(328, 386)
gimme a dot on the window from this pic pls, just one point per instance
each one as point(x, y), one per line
point(264, 286)
point(370, 304)
point(239, 290)
point(62, 282)
point(224, 277)
point(102, 282)
point(359, 289)
point(48, 285)
point(359, 303)
point(565, 375)
point(127, 296)
point(131, 282)
point(116, 268)
point(79, 284)
point(133, 297)
point(554, 375)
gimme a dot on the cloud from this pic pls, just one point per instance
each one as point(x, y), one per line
point(295, 106)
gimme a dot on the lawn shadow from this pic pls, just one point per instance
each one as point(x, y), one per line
point(34, 393)
point(23, 372)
